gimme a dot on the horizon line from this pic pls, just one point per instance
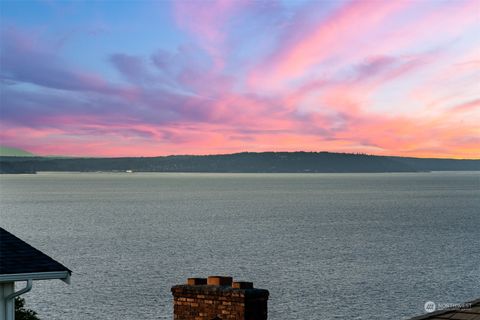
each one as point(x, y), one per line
point(233, 153)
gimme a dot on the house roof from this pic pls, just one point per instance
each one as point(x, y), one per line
point(18, 258)
point(468, 311)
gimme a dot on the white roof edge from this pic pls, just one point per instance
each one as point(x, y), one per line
point(62, 275)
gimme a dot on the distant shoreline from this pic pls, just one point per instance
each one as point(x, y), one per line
point(266, 162)
point(231, 173)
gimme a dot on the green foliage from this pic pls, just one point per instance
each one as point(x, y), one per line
point(21, 313)
point(13, 152)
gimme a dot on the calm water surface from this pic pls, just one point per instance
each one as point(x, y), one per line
point(327, 246)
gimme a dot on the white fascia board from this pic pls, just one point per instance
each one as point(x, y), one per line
point(62, 275)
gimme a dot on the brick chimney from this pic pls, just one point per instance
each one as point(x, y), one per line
point(218, 298)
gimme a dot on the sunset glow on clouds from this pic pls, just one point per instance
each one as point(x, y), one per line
point(205, 77)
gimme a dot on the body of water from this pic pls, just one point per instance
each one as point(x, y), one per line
point(326, 246)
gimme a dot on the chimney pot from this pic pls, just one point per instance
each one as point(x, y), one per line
point(219, 281)
point(242, 285)
point(196, 281)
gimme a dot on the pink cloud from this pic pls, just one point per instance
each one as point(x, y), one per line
point(327, 39)
point(207, 21)
point(467, 106)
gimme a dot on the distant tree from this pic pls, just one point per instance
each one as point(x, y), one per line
point(22, 313)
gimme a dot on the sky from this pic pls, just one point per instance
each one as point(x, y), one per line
point(150, 78)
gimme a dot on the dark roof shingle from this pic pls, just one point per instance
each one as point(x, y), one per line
point(17, 256)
